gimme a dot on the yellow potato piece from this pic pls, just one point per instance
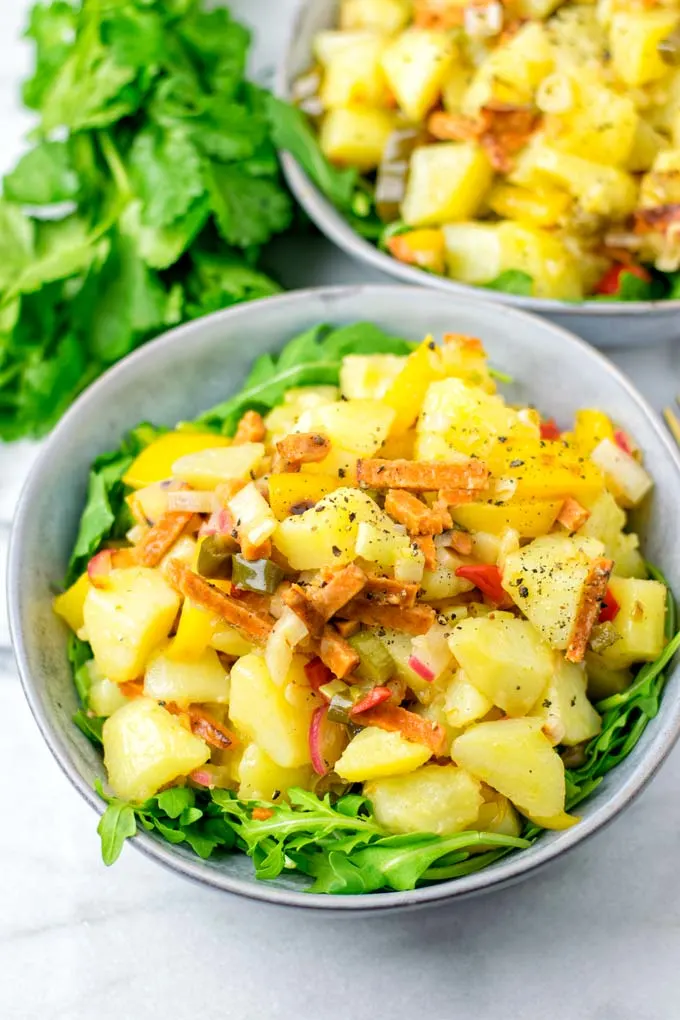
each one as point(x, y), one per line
point(260, 778)
point(145, 747)
point(201, 679)
point(434, 798)
point(374, 753)
point(70, 604)
point(207, 468)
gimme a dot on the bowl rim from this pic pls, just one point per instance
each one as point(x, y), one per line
point(336, 228)
point(510, 869)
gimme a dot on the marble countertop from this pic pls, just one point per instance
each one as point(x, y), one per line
point(594, 937)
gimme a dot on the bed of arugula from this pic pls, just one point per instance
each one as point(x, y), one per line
point(333, 844)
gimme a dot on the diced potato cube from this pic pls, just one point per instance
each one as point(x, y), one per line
point(327, 533)
point(604, 190)
point(567, 715)
point(546, 579)
point(634, 38)
point(208, 468)
point(230, 641)
point(473, 252)
point(606, 523)
point(128, 620)
point(515, 758)
point(360, 425)
point(464, 703)
point(459, 419)
point(601, 127)
point(639, 622)
point(355, 136)
point(447, 181)
point(154, 463)
point(368, 376)
point(253, 515)
point(104, 696)
point(544, 257)
point(590, 428)
point(434, 798)
point(339, 464)
point(145, 747)
point(260, 778)
point(545, 469)
point(194, 631)
point(661, 186)
point(536, 9)
point(511, 73)
point(647, 144)
point(70, 604)
point(529, 519)
point(387, 16)
point(455, 86)
point(277, 718)
point(198, 680)
point(416, 65)
point(353, 74)
point(505, 659)
point(442, 582)
point(497, 815)
point(282, 419)
point(374, 753)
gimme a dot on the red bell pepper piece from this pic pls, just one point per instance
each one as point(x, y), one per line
point(317, 673)
point(611, 281)
point(610, 608)
point(370, 700)
point(549, 429)
point(486, 577)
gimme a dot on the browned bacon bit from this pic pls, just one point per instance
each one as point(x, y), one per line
point(508, 130)
point(411, 726)
point(461, 542)
point(161, 537)
point(251, 429)
point(422, 475)
point(439, 15)
point(261, 814)
point(194, 587)
point(256, 601)
point(589, 607)
point(416, 516)
point(456, 497)
point(391, 592)
point(429, 550)
point(303, 448)
point(572, 514)
point(132, 688)
point(263, 551)
point(341, 586)
point(206, 727)
point(303, 607)
point(455, 127)
point(336, 653)
point(470, 344)
point(346, 628)
point(657, 219)
point(416, 620)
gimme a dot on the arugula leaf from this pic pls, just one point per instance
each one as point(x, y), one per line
point(513, 281)
point(44, 176)
point(291, 132)
point(117, 824)
point(176, 800)
point(91, 726)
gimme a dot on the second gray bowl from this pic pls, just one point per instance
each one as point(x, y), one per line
point(605, 324)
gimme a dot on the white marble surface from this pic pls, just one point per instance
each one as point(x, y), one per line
point(596, 937)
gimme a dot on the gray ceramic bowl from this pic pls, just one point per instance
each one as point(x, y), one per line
point(193, 367)
point(634, 323)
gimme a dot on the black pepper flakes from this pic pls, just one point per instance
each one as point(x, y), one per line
point(335, 550)
point(524, 592)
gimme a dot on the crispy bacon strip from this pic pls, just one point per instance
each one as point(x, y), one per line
point(657, 219)
point(411, 726)
point(303, 448)
point(255, 552)
point(416, 620)
point(572, 514)
point(346, 628)
point(341, 586)
point(429, 550)
point(461, 542)
point(336, 653)
point(162, 536)
point(391, 592)
point(594, 591)
point(509, 129)
point(416, 516)
point(455, 127)
point(194, 587)
point(251, 429)
point(421, 475)
point(296, 599)
point(209, 729)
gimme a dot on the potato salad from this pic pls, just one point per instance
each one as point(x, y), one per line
point(398, 591)
point(528, 145)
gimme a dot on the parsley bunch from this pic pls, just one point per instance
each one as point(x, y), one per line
point(151, 186)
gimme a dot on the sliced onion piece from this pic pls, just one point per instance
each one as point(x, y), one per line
point(286, 634)
point(628, 480)
point(198, 502)
point(327, 741)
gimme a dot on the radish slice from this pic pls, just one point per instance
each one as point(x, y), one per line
point(421, 668)
point(327, 741)
point(220, 522)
